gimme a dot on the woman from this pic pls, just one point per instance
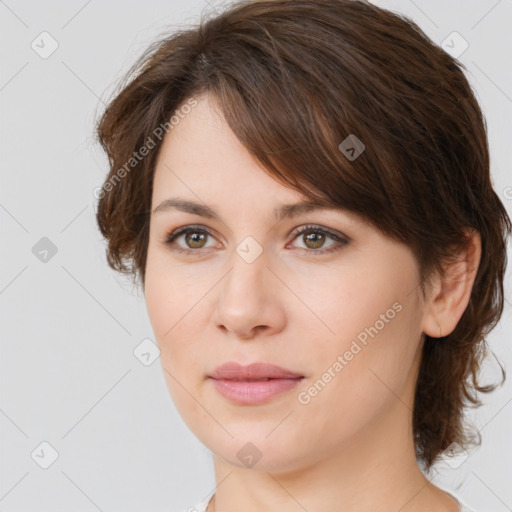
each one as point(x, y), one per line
point(303, 189)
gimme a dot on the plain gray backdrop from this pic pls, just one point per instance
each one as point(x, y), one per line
point(85, 424)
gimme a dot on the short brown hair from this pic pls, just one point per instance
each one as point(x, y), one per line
point(295, 79)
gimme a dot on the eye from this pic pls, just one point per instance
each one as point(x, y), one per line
point(194, 237)
point(314, 238)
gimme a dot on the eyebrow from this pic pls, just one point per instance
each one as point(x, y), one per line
point(279, 213)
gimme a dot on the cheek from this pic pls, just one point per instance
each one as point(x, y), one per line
point(176, 335)
point(167, 309)
point(170, 294)
point(376, 324)
point(175, 301)
point(339, 306)
point(359, 386)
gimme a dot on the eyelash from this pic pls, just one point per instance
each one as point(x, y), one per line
point(342, 241)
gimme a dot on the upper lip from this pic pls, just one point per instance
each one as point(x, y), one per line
point(260, 370)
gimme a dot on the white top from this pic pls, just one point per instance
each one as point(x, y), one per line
point(202, 505)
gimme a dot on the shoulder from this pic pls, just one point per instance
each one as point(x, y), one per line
point(201, 506)
point(463, 507)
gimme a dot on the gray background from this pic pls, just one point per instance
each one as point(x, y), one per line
point(69, 326)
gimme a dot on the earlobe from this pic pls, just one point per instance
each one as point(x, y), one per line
point(451, 292)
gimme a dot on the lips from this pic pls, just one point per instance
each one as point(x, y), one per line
point(255, 384)
point(252, 372)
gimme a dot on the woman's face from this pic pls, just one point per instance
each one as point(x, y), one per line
point(345, 316)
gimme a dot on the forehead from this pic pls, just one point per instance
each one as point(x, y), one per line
point(202, 168)
point(202, 154)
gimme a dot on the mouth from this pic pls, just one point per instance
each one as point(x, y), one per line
point(252, 372)
point(257, 383)
point(249, 380)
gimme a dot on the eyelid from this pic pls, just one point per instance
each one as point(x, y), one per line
point(316, 227)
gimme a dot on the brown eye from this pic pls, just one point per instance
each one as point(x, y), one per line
point(314, 239)
point(194, 239)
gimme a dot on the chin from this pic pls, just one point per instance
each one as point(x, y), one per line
point(257, 450)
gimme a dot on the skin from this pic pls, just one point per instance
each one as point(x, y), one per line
point(350, 447)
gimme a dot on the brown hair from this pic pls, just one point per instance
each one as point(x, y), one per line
point(295, 79)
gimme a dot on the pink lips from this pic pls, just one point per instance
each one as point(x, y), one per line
point(254, 384)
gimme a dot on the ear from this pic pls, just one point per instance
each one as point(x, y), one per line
point(450, 293)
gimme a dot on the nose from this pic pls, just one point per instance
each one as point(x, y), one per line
point(250, 299)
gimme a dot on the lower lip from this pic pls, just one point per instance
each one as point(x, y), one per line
point(255, 392)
